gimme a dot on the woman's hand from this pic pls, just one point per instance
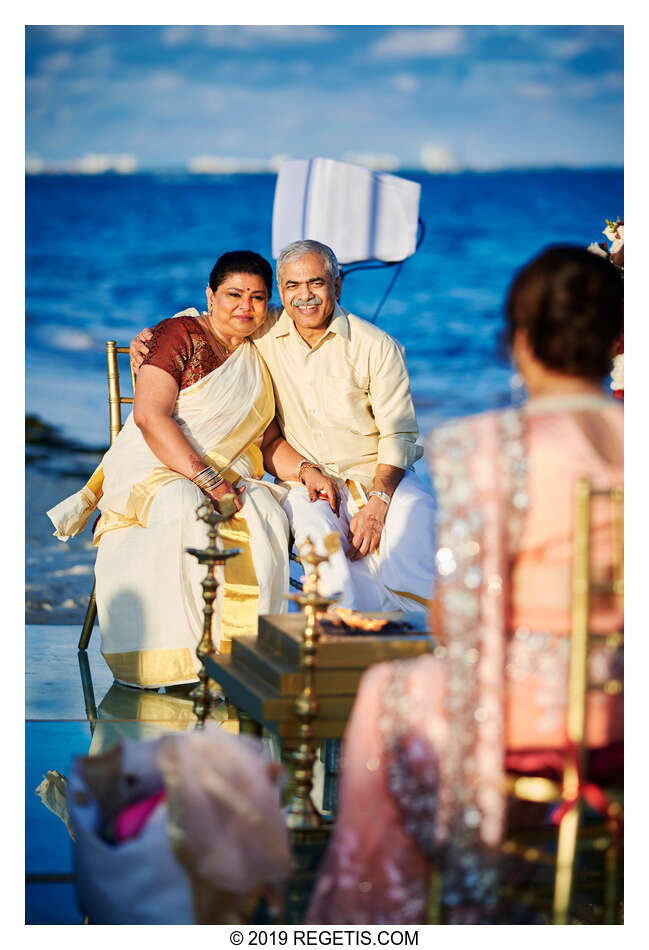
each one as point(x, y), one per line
point(138, 348)
point(227, 488)
point(321, 486)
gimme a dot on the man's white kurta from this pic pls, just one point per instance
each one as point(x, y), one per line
point(345, 403)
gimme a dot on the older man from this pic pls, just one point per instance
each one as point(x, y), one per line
point(343, 401)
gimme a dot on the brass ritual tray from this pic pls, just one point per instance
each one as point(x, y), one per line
point(261, 675)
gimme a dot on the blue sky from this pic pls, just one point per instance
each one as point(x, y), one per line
point(477, 96)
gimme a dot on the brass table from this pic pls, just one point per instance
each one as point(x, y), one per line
point(261, 676)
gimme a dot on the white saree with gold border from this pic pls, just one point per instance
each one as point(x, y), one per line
point(149, 596)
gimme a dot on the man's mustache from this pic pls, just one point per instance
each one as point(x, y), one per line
point(311, 302)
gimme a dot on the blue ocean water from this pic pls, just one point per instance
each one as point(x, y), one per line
point(108, 255)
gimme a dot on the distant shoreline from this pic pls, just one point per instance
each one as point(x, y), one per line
point(269, 173)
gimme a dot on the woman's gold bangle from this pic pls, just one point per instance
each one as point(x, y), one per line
point(207, 480)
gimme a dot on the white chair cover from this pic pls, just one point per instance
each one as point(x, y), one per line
point(361, 214)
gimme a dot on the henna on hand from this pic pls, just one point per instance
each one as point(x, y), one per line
point(227, 488)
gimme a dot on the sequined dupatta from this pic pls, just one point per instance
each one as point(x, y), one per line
point(424, 748)
point(479, 470)
point(424, 754)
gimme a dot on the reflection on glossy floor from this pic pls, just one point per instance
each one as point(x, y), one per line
point(73, 707)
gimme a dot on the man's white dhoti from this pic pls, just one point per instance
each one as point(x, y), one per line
point(399, 576)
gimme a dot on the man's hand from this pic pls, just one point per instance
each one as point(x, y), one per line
point(365, 529)
point(138, 348)
point(319, 485)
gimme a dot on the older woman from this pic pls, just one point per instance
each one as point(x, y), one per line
point(202, 424)
point(427, 741)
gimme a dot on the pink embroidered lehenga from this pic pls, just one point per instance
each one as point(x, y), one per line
point(428, 740)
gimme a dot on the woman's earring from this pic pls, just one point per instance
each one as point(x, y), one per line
point(517, 388)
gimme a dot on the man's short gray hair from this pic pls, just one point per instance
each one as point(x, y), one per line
point(297, 249)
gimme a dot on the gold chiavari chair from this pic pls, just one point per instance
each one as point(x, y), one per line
point(572, 857)
point(589, 855)
point(115, 403)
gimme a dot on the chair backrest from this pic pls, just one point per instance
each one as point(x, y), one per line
point(582, 589)
point(115, 399)
point(568, 792)
point(115, 403)
point(552, 853)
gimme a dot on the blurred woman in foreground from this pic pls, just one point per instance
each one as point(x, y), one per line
point(428, 740)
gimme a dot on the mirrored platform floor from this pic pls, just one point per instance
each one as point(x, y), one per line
point(73, 708)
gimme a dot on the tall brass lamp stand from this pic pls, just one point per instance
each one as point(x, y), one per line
point(308, 830)
point(204, 695)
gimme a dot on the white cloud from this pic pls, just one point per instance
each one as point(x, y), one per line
point(488, 80)
point(582, 89)
point(69, 34)
point(378, 161)
point(567, 48)
point(604, 83)
point(35, 88)
point(437, 158)
point(231, 37)
point(163, 79)
point(248, 37)
point(405, 82)
point(534, 90)
point(421, 41)
point(57, 63)
point(245, 37)
point(292, 34)
point(175, 35)
point(98, 62)
point(226, 165)
point(612, 82)
point(275, 161)
point(209, 100)
point(93, 163)
point(34, 164)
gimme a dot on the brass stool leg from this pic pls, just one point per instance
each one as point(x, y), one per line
point(248, 725)
point(89, 622)
point(612, 885)
point(331, 757)
point(435, 897)
point(287, 755)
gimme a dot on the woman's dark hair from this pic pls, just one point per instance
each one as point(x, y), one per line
point(241, 262)
point(569, 302)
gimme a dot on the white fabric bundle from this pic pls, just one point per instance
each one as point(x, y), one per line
point(71, 515)
point(139, 881)
point(207, 852)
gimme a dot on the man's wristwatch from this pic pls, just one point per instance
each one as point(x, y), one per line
point(380, 494)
